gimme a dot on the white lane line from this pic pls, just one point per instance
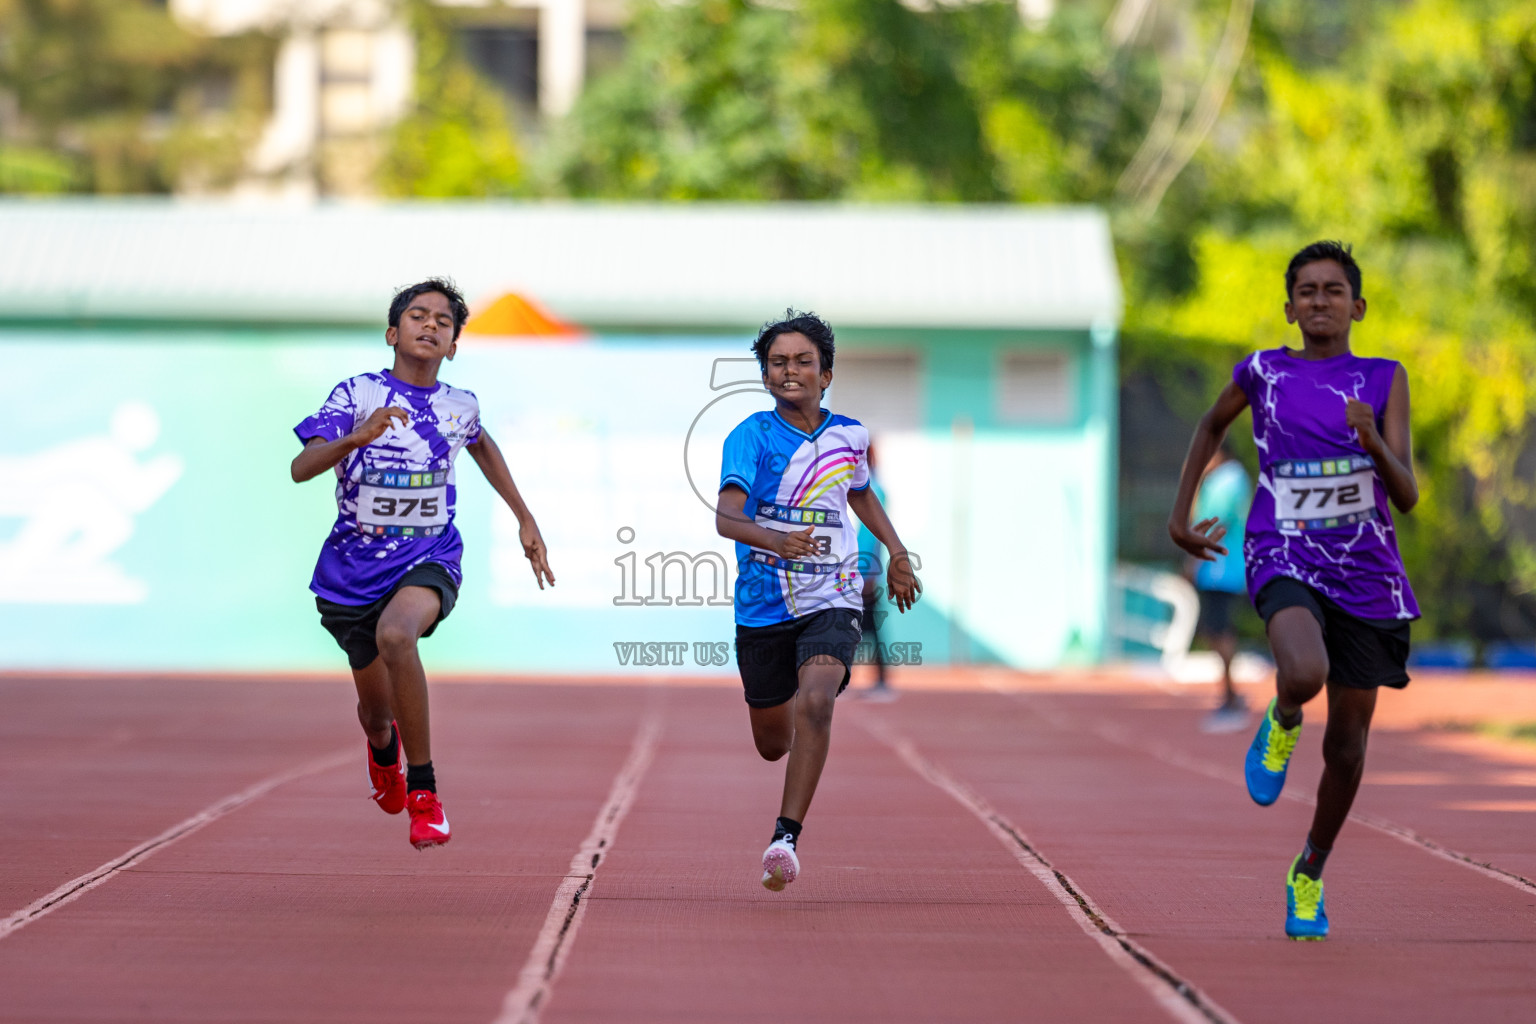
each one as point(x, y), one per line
point(536, 982)
point(1180, 999)
point(73, 890)
point(1121, 737)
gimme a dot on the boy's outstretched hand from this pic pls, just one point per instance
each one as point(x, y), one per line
point(1200, 540)
point(535, 552)
point(904, 586)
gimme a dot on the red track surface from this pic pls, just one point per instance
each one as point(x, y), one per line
point(301, 902)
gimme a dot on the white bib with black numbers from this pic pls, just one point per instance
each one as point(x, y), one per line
point(1319, 494)
point(402, 502)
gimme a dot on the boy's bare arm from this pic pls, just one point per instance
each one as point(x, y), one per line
point(320, 455)
point(1392, 446)
point(903, 584)
point(1204, 538)
point(489, 458)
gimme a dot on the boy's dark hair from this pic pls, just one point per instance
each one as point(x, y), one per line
point(1337, 251)
point(444, 287)
point(796, 322)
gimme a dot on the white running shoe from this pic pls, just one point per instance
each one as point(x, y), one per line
point(780, 864)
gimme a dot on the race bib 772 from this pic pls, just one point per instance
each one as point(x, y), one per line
point(1319, 494)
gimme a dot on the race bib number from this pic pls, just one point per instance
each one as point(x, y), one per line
point(1320, 494)
point(797, 518)
point(403, 503)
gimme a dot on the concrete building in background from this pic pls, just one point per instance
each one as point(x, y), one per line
point(171, 346)
point(345, 69)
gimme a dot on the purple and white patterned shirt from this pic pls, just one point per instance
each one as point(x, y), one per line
point(1320, 514)
point(395, 498)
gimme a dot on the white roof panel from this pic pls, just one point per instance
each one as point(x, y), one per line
point(699, 264)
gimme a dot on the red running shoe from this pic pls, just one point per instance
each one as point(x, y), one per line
point(429, 827)
point(388, 780)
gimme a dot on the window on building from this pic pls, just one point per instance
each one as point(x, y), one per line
point(508, 56)
point(882, 390)
point(1037, 387)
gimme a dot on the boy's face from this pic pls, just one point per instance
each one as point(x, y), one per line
point(426, 329)
point(794, 369)
point(1322, 302)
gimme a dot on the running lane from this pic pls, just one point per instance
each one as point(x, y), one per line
point(308, 904)
point(907, 909)
point(95, 766)
point(1124, 794)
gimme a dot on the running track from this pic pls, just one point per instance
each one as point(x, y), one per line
point(1002, 849)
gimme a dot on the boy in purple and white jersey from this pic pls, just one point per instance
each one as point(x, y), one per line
point(1332, 429)
point(788, 478)
point(389, 571)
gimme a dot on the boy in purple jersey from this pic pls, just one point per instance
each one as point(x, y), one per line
point(389, 571)
point(1332, 430)
point(799, 592)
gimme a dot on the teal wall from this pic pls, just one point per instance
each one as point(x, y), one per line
point(1016, 523)
point(149, 520)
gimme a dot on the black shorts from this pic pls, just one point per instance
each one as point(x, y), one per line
point(770, 656)
point(1362, 653)
point(353, 625)
point(1215, 613)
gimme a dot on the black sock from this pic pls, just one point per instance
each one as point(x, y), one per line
point(1312, 861)
point(387, 757)
point(787, 829)
point(419, 776)
point(1295, 719)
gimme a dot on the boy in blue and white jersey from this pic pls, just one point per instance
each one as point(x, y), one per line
point(389, 571)
point(787, 480)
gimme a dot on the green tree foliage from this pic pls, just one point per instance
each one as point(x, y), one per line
point(1411, 136)
point(725, 99)
point(1407, 127)
point(458, 139)
point(114, 96)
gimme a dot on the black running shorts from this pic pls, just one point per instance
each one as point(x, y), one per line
point(1215, 613)
point(770, 656)
point(353, 625)
point(1362, 653)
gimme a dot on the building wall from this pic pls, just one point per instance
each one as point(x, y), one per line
point(153, 525)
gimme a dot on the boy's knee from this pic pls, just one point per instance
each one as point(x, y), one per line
point(772, 750)
point(394, 642)
point(816, 704)
point(1344, 753)
point(1303, 675)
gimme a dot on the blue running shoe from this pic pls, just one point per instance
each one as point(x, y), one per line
point(1305, 918)
point(1268, 756)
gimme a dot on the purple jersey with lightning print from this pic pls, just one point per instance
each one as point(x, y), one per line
point(1320, 514)
point(395, 497)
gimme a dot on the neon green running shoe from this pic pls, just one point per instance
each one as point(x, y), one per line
point(1305, 918)
point(1268, 756)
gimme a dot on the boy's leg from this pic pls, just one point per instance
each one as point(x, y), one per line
point(1301, 669)
point(807, 737)
point(386, 760)
point(409, 614)
point(375, 703)
point(820, 678)
point(1301, 660)
point(1344, 740)
point(773, 729)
